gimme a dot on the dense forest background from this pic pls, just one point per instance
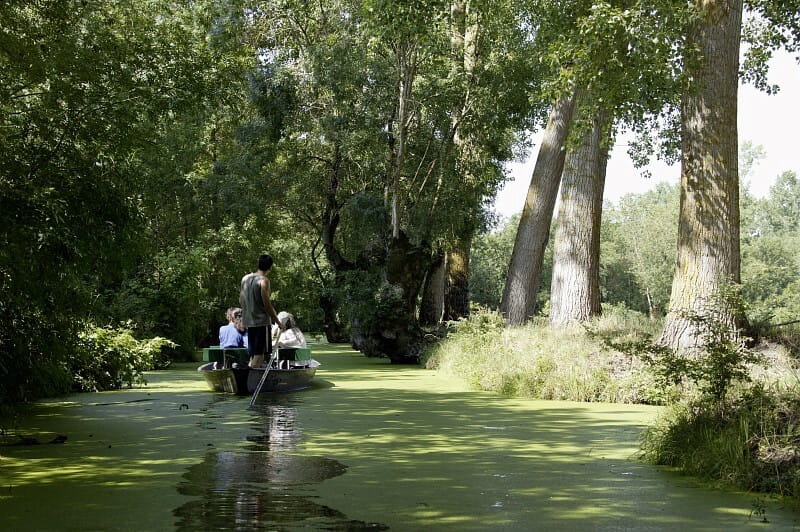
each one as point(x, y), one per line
point(151, 149)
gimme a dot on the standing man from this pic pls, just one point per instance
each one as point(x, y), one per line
point(257, 309)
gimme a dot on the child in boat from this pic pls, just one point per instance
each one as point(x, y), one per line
point(230, 335)
point(292, 335)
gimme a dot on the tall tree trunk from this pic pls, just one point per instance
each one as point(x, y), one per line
point(334, 330)
point(457, 291)
point(406, 56)
point(575, 287)
point(708, 227)
point(464, 47)
point(525, 268)
point(431, 310)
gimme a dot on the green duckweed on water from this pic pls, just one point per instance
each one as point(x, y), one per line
point(369, 446)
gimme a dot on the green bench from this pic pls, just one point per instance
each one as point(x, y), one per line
point(216, 354)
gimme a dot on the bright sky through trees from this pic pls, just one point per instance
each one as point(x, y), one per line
point(770, 121)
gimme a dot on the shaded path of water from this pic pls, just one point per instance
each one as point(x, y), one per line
point(263, 486)
point(370, 446)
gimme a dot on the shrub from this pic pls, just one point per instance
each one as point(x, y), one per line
point(107, 358)
point(752, 443)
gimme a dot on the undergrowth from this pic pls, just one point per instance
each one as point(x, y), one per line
point(572, 363)
point(752, 442)
point(108, 358)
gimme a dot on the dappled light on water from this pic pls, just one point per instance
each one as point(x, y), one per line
point(369, 445)
point(263, 485)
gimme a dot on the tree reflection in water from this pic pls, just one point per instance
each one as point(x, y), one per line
point(262, 487)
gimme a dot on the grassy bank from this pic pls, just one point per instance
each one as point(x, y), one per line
point(536, 361)
point(749, 437)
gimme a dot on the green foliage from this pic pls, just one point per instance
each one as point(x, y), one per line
point(772, 26)
point(641, 232)
point(638, 245)
point(106, 358)
point(481, 321)
point(150, 149)
point(769, 267)
point(721, 358)
point(770, 247)
point(783, 208)
point(368, 300)
point(84, 88)
point(752, 443)
point(489, 259)
point(540, 362)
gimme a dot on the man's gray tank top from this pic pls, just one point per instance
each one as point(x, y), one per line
point(254, 314)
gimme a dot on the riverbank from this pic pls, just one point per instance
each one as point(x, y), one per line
point(370, 446)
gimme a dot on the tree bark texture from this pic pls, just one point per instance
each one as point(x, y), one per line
point(575, 286)
point(708, 227)
point(525, 267)
point(457, 291)
point(334, 330)
point(406, 56)
point(431, 311)
point(464, 45)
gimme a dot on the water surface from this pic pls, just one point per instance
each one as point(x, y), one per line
point(370, 446)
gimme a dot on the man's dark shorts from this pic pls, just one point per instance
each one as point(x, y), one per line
point(258, 341)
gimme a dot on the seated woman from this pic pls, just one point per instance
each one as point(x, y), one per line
point(230, 335)
point(292, 336)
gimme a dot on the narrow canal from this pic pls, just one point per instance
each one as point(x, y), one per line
point(369, 446)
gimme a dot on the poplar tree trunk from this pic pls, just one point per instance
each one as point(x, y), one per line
point(525, 267)
point(708, 227)
point(575, 286)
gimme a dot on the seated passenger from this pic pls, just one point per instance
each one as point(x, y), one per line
point(237, 315)
point(229, 335)
point(292, 336)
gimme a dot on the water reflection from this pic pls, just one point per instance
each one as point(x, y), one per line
point(276, 423)
point(263, 487)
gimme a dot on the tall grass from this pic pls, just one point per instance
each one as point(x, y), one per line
point(748, 438)
point(752, 442)
point(571, 363)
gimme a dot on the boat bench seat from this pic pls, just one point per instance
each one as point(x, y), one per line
point(217, 354)
point(294, 353)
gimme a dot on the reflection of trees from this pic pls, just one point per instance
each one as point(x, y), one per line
point(278, 426)
point(260, 487)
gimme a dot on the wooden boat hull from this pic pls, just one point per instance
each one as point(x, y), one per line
point(244, 380)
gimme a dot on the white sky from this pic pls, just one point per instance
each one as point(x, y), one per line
point(771, 121)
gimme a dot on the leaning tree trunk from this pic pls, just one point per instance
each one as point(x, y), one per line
point(575, 286)
point(525, 268)
point(708, 227)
